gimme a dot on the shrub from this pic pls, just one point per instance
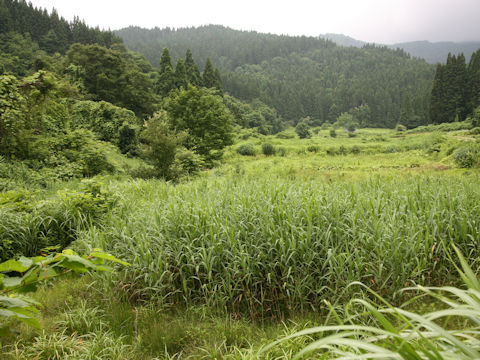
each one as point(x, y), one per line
point(466, 157)
point(303, 130)
point(333, 133)
point(246, 150)
point(313, 148)
point(268, 149)
point(400, 128)
point(351, 134)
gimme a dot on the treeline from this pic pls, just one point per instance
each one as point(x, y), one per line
point(49, 30)
point(301, 76)
point(456, 89)
point(29, 36)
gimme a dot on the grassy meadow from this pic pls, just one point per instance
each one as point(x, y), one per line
point(261, 246)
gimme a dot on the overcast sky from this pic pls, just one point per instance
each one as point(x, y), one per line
point(380, 21)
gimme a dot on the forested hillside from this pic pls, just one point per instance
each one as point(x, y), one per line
point(301, 76)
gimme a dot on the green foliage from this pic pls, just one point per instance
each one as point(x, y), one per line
point(14, 135)
point(455, 89)
point(254, 115)
point(346, 121)
point(207, 121)
point(400, 128)
point(18, 54)
point(333, 133)
point(74, 154)
point(303, 130)
point(52, 32)
point(246, 150)
point(112, 75)
point(161, 144)
point(23, 275)
point(105, 120)
point(268, 149)
point(278, 228)
point(30, 223)
point(467, 156)
point(476, 117)
point(371, 331)
point(166, 80)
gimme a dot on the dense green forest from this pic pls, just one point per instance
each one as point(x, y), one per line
point(300, 76)
point(456, 89)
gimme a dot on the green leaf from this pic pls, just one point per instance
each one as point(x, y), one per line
point(21, 265)
point(76, 263)
point(10, 282)
point(8, 302)
point(105, 256)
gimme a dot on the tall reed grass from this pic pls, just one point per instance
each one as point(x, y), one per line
point(261, 246)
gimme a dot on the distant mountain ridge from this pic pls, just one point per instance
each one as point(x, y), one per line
point(432, 52)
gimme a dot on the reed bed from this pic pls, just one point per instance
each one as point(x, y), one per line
point(266, 246)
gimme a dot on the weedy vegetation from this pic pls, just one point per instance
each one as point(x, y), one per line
point(267, 246)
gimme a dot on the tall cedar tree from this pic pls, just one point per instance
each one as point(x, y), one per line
point(209, 78)
point(437, 111)
point(474, 80)
point(193, 74)
point(180, 75)
point(166, 79)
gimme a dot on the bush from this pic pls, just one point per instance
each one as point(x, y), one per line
point(268, 149)
point(313, 148)
point(333, 133)
point(246, 150)
point(74, 154)
point(303, 130)
point(351, 134)
point(466, 157)
point(400, 128)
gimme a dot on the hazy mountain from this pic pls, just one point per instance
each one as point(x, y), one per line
point(438, 51)
point(432, 52)
point(343, 40)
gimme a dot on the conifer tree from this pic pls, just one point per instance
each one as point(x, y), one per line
point(209, 78)
point(180, 75)
point(166, 78)
point(474, 80)
point(436, 110)
point(193, 74)
point(218, 80)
